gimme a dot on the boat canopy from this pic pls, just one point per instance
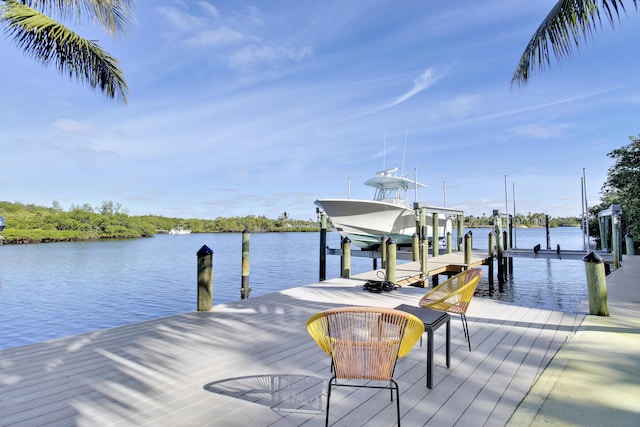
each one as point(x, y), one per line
point(390, 187)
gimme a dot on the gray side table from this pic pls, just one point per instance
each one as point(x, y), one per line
point(432, 320)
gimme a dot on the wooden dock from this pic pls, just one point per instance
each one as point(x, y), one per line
point(252, 362)
point(409, 273)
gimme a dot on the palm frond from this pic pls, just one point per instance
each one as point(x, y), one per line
point(112, 15)
point(567, 26)
point(51, 43)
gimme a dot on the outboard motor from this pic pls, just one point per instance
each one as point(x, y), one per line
point(2, 224)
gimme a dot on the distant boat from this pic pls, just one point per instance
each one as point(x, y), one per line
point(179, 230)
point(389, 213)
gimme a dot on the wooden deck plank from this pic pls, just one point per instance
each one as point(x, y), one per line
point(211, 368)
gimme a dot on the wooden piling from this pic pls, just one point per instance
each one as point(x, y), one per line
point(449, 243)
point(415, 248)
point(205, 278)
point(460, 229)
point(383, 251)
point(346, 258)
point(491, 246)
point(596, 285)
point(323, 246)
point(245, 287)
point(435, 235)
point(500, 259)
point(467, 250)
point(615, 240)
point(546, 226)
point(424, 259)
point(391, 260)
point(507, 260)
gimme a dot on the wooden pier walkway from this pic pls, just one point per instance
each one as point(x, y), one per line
point(252, 362)
point(408, 273)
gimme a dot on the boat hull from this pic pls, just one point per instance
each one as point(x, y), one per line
point(364, 222)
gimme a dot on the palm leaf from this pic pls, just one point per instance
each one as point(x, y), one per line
point(52, 43)
point(566, 27)
point(113, 15)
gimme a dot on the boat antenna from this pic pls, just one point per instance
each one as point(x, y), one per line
point(404, 154)
point(444, 192)
point(384, 153)
point(586, 204)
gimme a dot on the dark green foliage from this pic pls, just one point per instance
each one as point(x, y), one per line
point(33, 224)
point(531, 220)
point(622, 186)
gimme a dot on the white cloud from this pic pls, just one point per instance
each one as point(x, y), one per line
point(209, 8)
point(460, 106)
point(183, 21)
point(73, 126)
point(251, 55)
point(542, 131)
point(219, 36)
point(423, 82)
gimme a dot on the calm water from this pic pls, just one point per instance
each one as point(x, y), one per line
point(53, 290)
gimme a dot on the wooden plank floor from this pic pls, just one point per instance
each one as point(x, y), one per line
point(253, 363)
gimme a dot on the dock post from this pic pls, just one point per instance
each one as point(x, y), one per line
point(346, 258)
point(419, 217)
point(460, 229)
point(323, 245)
point(491, 246)
point(415, 248)
point(546, 226)
point(245, 287)
point(383, 252)
point(596, 284)
point(424, 257)
point(628, 239)
point(507, 260)
point(435, 241)
point(391, 260)
point(449, 243)
point(205, 278)
point(467, 250)
point(500, 259)
point(616, 239)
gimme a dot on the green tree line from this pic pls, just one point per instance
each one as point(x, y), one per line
point(28, 223)
point(530, 220)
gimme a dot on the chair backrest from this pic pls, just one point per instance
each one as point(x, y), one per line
point(365, 342)
point(455, 293)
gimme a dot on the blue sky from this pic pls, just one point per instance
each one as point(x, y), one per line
point(255, 108)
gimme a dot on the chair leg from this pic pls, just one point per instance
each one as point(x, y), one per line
point(465, 327)
point(393, 385)
point(326, 422)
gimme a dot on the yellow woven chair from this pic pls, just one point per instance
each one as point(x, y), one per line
point(364, 344)
point(454, 296)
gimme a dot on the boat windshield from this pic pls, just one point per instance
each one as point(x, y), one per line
point(388, 195)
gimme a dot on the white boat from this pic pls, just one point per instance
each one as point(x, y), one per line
point(389, 214)
point(179, 230)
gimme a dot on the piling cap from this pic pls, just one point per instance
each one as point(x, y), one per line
point(593, 257)
point(204, 250)
point(346, 240)
point(391, 241)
